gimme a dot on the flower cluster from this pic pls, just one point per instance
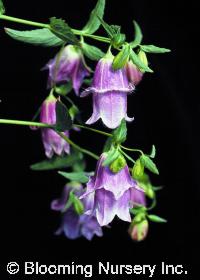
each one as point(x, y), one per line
point(91, 200)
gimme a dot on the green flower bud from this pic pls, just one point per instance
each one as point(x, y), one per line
point(138, 231)
point(118, 164)
point(142, 56)
point(138, 170)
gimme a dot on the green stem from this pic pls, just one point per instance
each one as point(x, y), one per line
point(127, 156)
point(25, 123)
point(43, 25)
point(77, 147)
point(23, 21)
point(94, 130)
point(132, 150)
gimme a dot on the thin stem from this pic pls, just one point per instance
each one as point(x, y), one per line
point(153, 205)
point(94, 130)
point(95, 37)
point(23, 21)
point(132, 150)
point(127, 156)
point(43, 25)
point(77, 147)
point(25, 123)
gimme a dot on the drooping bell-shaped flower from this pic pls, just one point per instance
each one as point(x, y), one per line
point(109, 88)
point(113, 193)
point(134, 74)
point(52, 142)
point(74, 225)
point(69, 65)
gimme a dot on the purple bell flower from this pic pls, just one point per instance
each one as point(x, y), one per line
point(70, 67)
point(133, 73)
point(114, 193)
point(110, 88)
point(74, 225)
point(52, 142)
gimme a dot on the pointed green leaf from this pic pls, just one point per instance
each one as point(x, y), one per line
point(57, 162)
point(153, 152)
point(75, 176)
point(135, 59)
point(112, 155)
point(138, 35)
point(121, 59)
point(110, 29)
point(149, 164)
point(2, 8)
point(40, 37)
point(78, 205)
point(63, 118)
point(120, 133)
point(94, 23)
point(62, 30)
point(92, 52)
point(156, 219)
point(153, 49)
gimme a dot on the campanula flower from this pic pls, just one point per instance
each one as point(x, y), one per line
point(52, 142)
point(109, 88)
point(68, 66)
point(74, 225)
point(114, 193)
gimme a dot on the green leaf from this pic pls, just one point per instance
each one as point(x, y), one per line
point(57, 162)
point(94, 23)
point(120, 133)
point(92, 52)
point(138, 35)
point(149, 164)
point(78, 205)
point(64, 89)
point(75, 176)
point(63, 118)
point(153, 49)
point(112, 155)
point(40, 37)
point(121, 59)
point(2, 9)
point(135, 59)
point(62, 30)
point(153, 152)
point(156, 219)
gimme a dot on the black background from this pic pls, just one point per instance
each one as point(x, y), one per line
point(166, 110)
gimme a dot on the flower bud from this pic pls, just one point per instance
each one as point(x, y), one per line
point(118, 164)
point(138, 170)
point(142, 56)
point(138, 230)
point(133, 73)
point(52, 142)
